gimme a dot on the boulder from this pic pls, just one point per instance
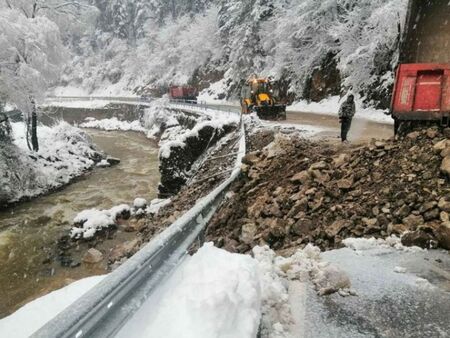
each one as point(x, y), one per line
point(112, 161)
point(442, 234)
point(403, 211)
point(255, 210)
point(320, 177)
point(248, 233)
point(380, 144)
point(334, 229)
point(413, 136)
point(446, 132)
point(302, 227)
point(444, 204)
point(427, 206)
point(126, 249)
point(340, 160)
point(396, 229)
point(251, 158)
point(319, 166)
point(432, 133)
point(299, 206)
point(136, 225)
point(345, 184)
point(440, 146)
point(431, 215)
point(445, 166)
point(92, 256)
point(446, 152)
point(444, 216)
point(413, 221)
point(302, 177)
point(418, 238)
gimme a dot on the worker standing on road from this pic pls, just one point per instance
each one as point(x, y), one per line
point(346, 113)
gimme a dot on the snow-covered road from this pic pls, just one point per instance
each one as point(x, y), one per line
point(399, 294)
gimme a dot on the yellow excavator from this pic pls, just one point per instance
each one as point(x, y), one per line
point(258, 96)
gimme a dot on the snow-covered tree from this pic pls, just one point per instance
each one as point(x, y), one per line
point(31, 54)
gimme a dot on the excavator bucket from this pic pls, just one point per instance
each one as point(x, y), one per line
point(273, 113)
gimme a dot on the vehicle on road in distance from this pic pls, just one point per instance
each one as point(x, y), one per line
point(183, 93)
point(258, 95)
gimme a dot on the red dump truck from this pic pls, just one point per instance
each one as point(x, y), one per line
point(422, 86)
point(183, 93)
point(421, 94)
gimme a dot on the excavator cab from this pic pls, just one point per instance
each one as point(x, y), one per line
point(258, 96)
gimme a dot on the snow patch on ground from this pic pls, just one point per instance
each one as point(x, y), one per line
point(113, 124)
point(330, 106)
point(31, 317)
point(365, 244)
point(213, 294)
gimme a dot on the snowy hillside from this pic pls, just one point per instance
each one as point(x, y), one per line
point(147, 45)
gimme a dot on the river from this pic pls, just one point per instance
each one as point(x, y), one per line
point(29, 231)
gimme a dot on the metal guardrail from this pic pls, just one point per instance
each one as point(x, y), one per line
point(104, 309)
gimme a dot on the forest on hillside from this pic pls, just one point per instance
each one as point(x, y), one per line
point(313, 49)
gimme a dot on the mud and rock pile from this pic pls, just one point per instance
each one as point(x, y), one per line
point(295, 192)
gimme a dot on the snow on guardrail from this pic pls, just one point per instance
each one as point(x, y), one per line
point(104, 309)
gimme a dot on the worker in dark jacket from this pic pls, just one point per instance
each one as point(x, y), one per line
point(346, 113)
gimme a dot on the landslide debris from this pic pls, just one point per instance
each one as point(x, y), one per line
point(294, 192)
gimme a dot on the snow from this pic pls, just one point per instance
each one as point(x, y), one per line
point(306, 130)
point(85, 104)
point(365, 244)
point(70, 91)
point(65, 152)
point(399, 269)
point(218, 120)
point(103, 164)
point(212, 294)
point(156, 205)
point(113, 124)
point(94, 220)
point(330, 106)
point(140, 203)
point(32, 316)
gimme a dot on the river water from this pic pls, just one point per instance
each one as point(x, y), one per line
point(29, 231)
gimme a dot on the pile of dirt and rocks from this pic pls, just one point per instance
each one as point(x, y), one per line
point(295, 192)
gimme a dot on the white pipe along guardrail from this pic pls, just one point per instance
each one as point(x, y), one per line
point(103, 310)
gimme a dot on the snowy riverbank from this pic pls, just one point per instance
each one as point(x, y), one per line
point(65, 153)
